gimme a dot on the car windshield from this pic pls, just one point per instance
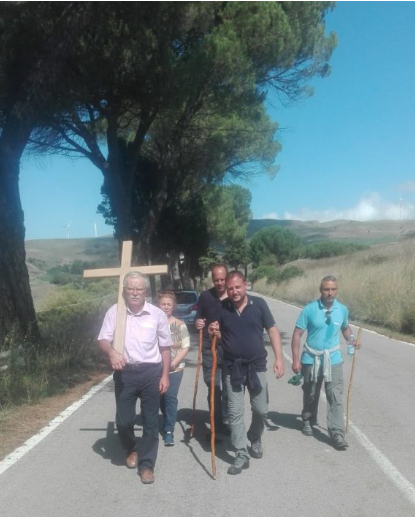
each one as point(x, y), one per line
point(185, 298)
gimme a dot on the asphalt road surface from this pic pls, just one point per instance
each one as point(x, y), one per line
point(77, 469)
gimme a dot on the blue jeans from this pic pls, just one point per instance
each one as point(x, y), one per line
point(168, 402)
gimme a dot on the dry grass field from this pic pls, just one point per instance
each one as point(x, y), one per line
point(377, 284)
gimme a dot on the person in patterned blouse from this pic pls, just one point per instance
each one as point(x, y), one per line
point(181, 343)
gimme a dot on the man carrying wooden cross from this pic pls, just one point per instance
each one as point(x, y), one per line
point(141, 371)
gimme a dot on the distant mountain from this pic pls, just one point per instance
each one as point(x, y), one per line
point(44, 254)
point(55, 252)
point(364, 232)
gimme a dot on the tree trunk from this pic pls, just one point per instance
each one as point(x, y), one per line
point(17, 311)
point(143, 249)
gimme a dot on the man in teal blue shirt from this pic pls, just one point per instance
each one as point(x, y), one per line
point(322, 360)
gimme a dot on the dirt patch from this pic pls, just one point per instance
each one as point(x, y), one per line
point(20, 423)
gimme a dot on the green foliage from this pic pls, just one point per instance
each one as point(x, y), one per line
point(262, 272)
point(69, 321)
point(70, 273)
point(182, 231)
point(283, 275)
point(407, 324)
point(39, 263)
point(228, 212)
point(330, 249)
point(208, 261)
point(182, 85)
point(274, 244)
point(190, 94)
point(238, 254)
point(71, 317)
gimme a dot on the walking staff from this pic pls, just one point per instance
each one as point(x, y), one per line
point(349, 391)
point(199, 361)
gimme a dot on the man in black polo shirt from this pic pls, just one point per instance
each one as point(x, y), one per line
point(208, 310)
point(241, 324)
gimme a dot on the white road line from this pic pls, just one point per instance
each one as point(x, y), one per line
point(12, 458)
point(387, 467)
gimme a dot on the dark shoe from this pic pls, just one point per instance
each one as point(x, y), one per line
point(169, 439)
point(131, 460)
point(147, 476)
point(239, 465)
point(307, 429)
point(256, 450)
point(339, 443)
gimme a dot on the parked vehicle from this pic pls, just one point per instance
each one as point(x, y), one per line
point(186, 307)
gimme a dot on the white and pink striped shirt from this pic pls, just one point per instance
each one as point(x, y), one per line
point(145, 332)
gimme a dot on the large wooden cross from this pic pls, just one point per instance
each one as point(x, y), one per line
point(126, 256)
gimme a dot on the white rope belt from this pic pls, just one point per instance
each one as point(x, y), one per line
point(321, 355)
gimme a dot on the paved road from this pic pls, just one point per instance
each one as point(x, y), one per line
point(78, 469)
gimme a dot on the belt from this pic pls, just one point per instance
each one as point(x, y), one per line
point(140, 366)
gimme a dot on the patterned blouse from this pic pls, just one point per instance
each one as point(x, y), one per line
point(180, 338)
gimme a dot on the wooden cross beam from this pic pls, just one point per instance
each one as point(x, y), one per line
point(126, 256)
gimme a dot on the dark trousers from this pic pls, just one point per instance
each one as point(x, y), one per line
point(220, 389)
point(132, 384)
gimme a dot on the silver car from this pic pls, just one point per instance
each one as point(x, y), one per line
point(186, 307)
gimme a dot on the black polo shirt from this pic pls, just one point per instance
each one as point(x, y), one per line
point(209, 308)
point(242, 333)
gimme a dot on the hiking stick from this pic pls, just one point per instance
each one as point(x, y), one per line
point(351, 378)
point(212, 407)
point(199, 360)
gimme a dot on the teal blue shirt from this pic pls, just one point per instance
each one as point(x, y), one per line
point(323, 328)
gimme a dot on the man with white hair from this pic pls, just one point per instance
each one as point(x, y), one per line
point(141, 372)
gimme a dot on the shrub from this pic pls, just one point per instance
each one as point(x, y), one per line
point(69, 322)
point(283, 275)
point(408, 321)
point(273, 242)
point(39, 263)
point(330, 249)
point(262, 272)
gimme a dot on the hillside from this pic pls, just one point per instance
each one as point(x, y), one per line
point(44, 254)
point(367, 232)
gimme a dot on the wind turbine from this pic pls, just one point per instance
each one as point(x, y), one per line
point(67, 228)
point(95, 228)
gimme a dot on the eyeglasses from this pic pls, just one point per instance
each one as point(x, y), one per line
point(328, 317)
point(135, 289)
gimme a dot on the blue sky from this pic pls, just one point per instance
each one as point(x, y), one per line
point(348, 152)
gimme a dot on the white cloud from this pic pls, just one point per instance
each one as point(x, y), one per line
point(272, 215)
point(409, 186)
point(369, 208)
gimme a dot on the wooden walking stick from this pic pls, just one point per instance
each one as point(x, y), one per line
point(212, 407)
point(199, 361)
point(359, 334)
